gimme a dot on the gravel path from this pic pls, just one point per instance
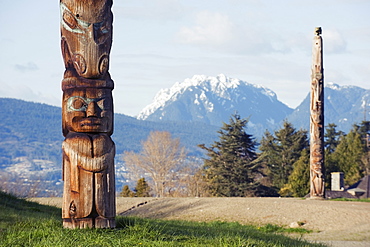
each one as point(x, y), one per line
point(334, 222)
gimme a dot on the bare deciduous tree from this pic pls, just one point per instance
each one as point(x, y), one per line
point(160, 159)
point(22, 187)
point(190, 180)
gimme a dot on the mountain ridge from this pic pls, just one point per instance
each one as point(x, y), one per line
point(212, 100)
point(216, 84)
point(343, 105)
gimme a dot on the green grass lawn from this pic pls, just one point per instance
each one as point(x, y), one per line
point(351, 200)
point(24, 223)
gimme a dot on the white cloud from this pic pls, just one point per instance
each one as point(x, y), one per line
point(30, 66)
point(211, 28)
point(222, 33)
point(29, 93)
point(334, 41)
point(149, 10)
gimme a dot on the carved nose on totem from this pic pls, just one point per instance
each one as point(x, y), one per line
point(92, 110)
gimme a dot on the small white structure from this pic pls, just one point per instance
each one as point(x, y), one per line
point(337, 181)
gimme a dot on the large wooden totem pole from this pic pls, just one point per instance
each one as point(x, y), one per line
point(317, 169)
point(87, 114)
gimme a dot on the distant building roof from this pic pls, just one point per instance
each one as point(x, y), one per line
point(329, 194)
point(363, 184)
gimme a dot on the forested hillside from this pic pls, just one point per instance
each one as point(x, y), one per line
point(29, 129)
point(34, 129)
point(31, 139)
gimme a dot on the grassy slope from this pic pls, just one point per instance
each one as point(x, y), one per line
point(24, 223)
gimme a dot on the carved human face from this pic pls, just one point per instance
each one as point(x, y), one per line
point(86, 29)
point(87, 110)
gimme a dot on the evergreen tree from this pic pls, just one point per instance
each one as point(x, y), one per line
point(332, 139)
point(348, 156)
point(142, 188)
point(364, 130)
point(229, 170)
point(126, 192)
point(299, 181)
point(281, 151)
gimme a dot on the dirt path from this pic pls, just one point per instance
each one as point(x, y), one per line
point(333, 222)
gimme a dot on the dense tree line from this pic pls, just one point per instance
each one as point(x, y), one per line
point(235, 167)
point(280, 166)
point(283, 161)
point(351, 153)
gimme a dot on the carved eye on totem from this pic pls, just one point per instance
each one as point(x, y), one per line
point(77, 103)
point(70, 20)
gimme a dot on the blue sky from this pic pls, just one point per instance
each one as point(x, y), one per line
point(159, 42)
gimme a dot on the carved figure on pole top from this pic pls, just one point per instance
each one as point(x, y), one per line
point(86, 28)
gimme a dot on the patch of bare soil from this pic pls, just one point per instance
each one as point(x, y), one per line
point(334, 222)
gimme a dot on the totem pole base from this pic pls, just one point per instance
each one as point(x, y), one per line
point(98, 222)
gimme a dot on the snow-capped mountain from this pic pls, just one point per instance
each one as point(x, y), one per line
point(212, 100)
point(343, 106)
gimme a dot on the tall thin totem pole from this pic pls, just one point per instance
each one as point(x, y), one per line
point(87, 115)
point(317, 169)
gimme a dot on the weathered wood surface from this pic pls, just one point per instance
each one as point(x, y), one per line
point(317, 183)
point(87, 115)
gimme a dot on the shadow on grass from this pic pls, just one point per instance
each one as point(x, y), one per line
point(233, 233)
point(13, 209)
